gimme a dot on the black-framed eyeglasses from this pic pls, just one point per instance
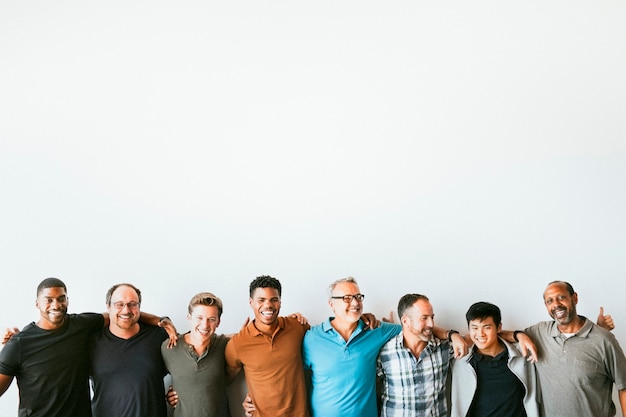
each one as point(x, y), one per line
point(349, 297)
point(131, 305)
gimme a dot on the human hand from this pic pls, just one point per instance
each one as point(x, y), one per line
point(605, 321)
point(389, 318)
point(167, 324)
point(172, 397)
point(248, 406)
point(245, 323)
point(10, 332)
point(300, 317)
point(459, 345)
point(370, 320)
point(527, 347)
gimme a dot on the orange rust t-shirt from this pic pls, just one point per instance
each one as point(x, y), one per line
point(273, 367)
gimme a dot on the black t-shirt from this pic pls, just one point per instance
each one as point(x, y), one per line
point(51, 367)
point(499, 392)
point(127, 374)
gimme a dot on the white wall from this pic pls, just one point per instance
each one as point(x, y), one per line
point(465, 150)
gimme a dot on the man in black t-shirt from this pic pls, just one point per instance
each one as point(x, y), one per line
point(49, 357)
point(127, 368)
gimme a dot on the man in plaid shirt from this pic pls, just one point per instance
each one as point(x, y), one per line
point(414, 365)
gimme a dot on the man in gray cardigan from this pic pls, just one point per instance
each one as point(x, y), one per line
point(494, 379)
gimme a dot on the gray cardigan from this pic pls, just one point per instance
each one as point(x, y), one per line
point(464, 382)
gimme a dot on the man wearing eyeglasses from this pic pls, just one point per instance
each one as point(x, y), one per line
point(49, 357)
point(127, 368)
point(341, 356)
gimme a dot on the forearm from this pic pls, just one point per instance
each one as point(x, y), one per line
point(150, 319)
point(5, 382)
point(622, 401)
point(231, 373)
point(524, 342)
point(441, 333)
point(507, 335)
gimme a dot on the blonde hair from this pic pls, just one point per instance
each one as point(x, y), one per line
point(206, 299)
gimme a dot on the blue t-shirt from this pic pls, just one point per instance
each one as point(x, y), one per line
point(343, 374)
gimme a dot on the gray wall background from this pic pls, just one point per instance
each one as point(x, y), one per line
point(465, 151)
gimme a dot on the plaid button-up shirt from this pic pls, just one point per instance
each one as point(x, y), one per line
point(414, 387)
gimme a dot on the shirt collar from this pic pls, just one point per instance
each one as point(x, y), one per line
point(327, 326)
point(504, 355)
point(583, 332)
point(253, 331)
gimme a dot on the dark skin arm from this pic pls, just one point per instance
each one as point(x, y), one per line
point(10, 332)
point(370, 320)
point(5, 383)
point(145, 318)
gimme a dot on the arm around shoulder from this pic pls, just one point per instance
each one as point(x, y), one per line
point(231, 373)
point(526, 345)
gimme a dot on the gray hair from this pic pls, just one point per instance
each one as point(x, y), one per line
point(332, 286)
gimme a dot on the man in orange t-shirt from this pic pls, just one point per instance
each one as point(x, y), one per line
point(269, 351)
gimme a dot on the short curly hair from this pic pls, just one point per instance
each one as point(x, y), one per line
point(50, 283)
point(265, 281)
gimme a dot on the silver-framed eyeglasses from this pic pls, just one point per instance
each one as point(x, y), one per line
point(131, 305)
point(349, 297)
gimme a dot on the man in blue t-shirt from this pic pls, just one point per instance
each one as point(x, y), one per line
point(340, 354)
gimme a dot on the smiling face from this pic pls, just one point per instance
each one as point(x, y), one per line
point(265, 302)
point(419, 320)
point(561, 305)
point(346, 312)
point(203, 321)
point(484, 334)
point(124, 310)
point(52, 304)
